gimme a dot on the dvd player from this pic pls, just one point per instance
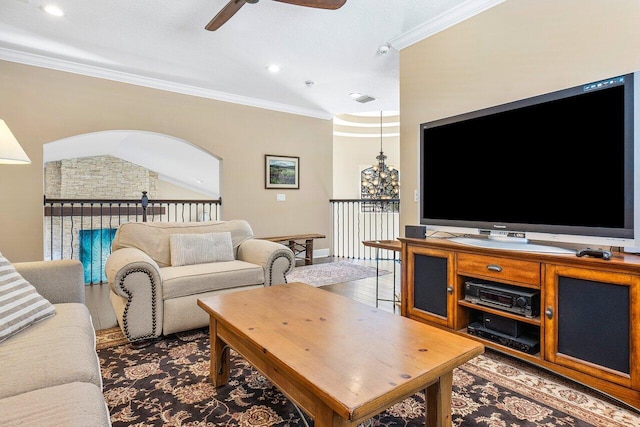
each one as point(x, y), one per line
point(522, 343)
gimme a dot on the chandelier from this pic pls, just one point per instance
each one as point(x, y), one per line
point(380, 181)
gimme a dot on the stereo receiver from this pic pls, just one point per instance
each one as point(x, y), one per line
point(503, 297)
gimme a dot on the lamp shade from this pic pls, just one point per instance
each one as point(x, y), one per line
point(10, 150)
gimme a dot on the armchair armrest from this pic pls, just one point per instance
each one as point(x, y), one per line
point(277, 260)
point(136, 293)
point(59, 281)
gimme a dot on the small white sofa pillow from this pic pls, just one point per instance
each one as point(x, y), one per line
point(200, 248)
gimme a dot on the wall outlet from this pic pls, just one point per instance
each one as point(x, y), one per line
point(281, 197)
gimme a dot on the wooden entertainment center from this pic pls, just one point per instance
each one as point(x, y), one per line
point(587, 324)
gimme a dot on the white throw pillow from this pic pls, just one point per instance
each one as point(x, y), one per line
point(20, 303)
point(189, 249)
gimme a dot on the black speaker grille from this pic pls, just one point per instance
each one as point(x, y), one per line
point(430, 284)
point(593, 322)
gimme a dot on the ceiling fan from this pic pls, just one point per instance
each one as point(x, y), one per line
point(234, 5)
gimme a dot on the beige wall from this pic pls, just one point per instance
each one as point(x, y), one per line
point(351, 153)
point(168, 190)
point(518, 49)
point(41, 105)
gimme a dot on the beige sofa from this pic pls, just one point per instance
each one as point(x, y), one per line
point(50, 374)
point(152, 296)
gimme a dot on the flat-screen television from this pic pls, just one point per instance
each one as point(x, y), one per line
point(558, 167)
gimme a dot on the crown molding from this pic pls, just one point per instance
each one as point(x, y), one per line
point(366, 135)
point(342, 122)
point(442, 22)
point(118, 76)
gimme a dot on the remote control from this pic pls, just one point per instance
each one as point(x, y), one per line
point(596, 253)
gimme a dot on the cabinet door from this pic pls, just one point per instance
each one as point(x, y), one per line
point(591, 322)
point(430, 293)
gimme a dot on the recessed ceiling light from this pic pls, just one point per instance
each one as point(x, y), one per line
point(52, 9)
point(199, 181)
point(355, 95)
point(273, 68)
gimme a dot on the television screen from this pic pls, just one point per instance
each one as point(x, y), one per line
point(559, 164)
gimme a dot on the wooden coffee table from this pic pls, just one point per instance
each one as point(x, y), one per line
point(339, 360)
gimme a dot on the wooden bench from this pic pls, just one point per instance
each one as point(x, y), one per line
point(293, 241)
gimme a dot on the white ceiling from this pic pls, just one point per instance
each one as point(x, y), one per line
point(163, 44)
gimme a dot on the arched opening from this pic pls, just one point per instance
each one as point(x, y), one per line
point(117, 165)
point(174, 160)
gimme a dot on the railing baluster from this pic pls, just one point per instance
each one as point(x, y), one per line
point(91, 228)
point(50, 228)
point(61, 232)
point(342, 206)
point(101, 244)
point(355, 220)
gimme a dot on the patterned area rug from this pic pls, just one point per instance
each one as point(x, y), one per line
point(167, 383)
point(332, 272)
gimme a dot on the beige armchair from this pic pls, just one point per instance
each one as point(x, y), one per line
point(158, 270)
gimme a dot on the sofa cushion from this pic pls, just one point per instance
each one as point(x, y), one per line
point(189, 249)
point(152, 238)
point(20, 303)
point(58, 350)
point(73, 404)
point(199, 278)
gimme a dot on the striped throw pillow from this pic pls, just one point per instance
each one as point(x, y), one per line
point(20, 303)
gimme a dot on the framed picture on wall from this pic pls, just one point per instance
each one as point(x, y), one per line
point(282, 172)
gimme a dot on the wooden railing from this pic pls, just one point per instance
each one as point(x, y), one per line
point(355, 220)
point(84, 228)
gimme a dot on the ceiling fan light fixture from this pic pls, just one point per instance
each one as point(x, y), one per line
point(234, 6)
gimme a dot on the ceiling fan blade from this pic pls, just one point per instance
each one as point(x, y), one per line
point(320, 4)
point(225, 14)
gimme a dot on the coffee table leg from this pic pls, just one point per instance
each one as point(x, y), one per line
point(438, 402)
point(328, 418)
point(219, 364)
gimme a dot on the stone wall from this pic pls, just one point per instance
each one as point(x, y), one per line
point(98, 177)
